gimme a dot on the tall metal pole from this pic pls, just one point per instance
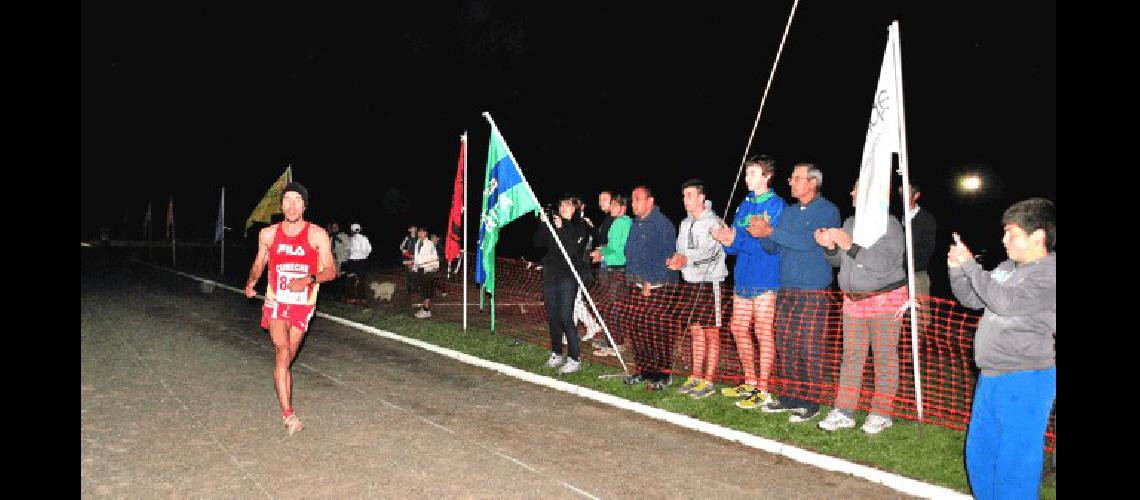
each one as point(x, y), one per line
point(223, 221)
point(904, 166)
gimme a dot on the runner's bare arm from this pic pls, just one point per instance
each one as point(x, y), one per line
point(319, 239)
point(264, 239)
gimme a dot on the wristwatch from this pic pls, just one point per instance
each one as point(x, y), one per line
point(314, 278)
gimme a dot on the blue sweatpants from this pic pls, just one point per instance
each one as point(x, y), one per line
point(1005, 443)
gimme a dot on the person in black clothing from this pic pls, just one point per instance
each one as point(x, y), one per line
point(407, 249)
point(601, 232)
point(923, 228)
point(559, 288)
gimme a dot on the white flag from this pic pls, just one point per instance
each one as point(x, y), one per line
point(873, 198)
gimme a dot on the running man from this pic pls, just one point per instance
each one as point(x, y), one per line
point(299, 256)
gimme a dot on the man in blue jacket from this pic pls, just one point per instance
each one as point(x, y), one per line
point(650, 244)
point(802, 302)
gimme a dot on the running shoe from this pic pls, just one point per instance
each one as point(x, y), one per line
point(754, 400)
point(739, 391)
point(689, 384)
point(703, 389)
point(293, 424)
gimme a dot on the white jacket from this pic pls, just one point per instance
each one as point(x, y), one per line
point(359, 247)
point(426, 257)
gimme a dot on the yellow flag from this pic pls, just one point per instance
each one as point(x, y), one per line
point(270, 203)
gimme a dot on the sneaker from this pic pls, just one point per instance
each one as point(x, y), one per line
point(553, 361)
point(423, 313)
point(802, 415)
point(633, 379)
point(754, 400)
point(836, 419)
point(774, 405)
point(740, 391)
point(702, 390)
point(876, 423)
point(293, 424)
point(571, 366)
point(689, 384)
point(657, 385)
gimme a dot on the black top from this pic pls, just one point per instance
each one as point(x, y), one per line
point(573, 235)
point(602, 232)
point(925, 229)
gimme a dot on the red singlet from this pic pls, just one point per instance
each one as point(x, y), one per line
point(290, 258)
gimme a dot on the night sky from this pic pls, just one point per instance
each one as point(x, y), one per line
point(368, 105)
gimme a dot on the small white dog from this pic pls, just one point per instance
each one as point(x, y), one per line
point(382, 291)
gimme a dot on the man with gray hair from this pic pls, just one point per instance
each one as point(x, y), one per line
point(802, 302)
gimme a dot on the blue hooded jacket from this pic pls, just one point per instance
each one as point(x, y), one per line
point(757, 267)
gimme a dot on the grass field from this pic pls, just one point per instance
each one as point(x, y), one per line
point(925, 452)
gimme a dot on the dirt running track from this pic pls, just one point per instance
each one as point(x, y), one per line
point(177, 401)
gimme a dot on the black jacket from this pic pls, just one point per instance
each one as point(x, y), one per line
point(574, 235)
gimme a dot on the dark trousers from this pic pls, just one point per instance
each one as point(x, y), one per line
point(651, 331)
point(559, 294)
point(426, 282)
point(801, 316)
point(410, 281)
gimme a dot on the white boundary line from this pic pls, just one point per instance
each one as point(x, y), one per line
point(888, 479)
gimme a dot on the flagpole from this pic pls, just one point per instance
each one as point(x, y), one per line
point(573, 268)
point(463, 139)
point(149, 257)
point(904, 166)
point(763, 98)
point(173, 237)
point(222, 273)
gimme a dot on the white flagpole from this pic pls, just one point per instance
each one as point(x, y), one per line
point(223, 216)
point(173, 237)
point(763, 98)
point(904, 166)
point(573, 268)
point(463, 254)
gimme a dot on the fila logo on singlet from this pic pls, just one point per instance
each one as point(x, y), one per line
point(298, 251)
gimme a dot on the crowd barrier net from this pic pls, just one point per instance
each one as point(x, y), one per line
point(851, 351)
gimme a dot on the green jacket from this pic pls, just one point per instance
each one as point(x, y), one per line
point(613, 254)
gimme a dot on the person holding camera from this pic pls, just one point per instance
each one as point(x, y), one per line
point(559, 288)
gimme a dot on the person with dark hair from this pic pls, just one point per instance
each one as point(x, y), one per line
point(611, 272)
point(425, 266)
point(602, 231)
point(298, 255)
point(356, 267)
point(700, 258)
point(559, 288)
point(756, 280)
point(441, 285)
point(874, 284)
point(407, 251)
point(803, 300)
point(923, 228)
point(649, 246)
point(1015, 348)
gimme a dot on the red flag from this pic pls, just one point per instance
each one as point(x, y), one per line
point(455, 219)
